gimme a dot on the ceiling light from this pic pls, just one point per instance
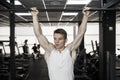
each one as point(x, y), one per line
point(69, 14)
point(77, 2)
point(16, 2)
point(23, 14)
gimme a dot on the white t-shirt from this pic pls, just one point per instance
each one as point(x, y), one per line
point(60, 65)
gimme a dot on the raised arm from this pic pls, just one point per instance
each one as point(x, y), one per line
point(37, 30)
point(81, 30)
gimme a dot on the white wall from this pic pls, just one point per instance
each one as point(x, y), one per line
point(92, 33)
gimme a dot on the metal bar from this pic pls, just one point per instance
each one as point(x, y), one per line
point(107, 44)
point(71, 10)
point(5, 4)
point(4, 49)
point(12, 42)
point(60, 10)
point(92, 45)
point(57, 21)
point(16, 44)
point(97, 47)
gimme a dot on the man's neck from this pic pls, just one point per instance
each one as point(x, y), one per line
point(61, 49)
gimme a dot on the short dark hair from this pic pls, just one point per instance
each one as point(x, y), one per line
point(61, 31)
point(26, 41)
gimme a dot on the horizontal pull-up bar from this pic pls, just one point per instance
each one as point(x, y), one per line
point(77, 10)
point(57, 21)
point(60, 10)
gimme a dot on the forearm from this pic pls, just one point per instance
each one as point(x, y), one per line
point(37, 27)
point(81, 30)
point(82, 27)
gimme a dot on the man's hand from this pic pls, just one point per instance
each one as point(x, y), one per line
point(86, 11)
point(34, 11)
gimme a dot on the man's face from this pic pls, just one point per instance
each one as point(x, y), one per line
point(59, 40)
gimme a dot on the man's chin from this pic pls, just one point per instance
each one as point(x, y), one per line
point(57, 47)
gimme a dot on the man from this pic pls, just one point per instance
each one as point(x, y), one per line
point(35, 52)
point(60, 58)
point(34, 48)
point(25, 47)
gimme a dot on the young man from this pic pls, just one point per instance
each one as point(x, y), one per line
point(60, 58)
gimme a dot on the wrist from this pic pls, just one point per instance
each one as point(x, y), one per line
point(34, 14)
point(86, 16)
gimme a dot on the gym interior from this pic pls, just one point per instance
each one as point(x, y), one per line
point(98, 56)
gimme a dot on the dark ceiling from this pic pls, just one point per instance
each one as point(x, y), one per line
point(51, 11)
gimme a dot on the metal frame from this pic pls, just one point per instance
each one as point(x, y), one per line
point(12, 37)
point(12, 42)
point(107, 42)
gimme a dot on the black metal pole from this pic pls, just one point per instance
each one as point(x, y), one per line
point(60, 10)
point(12, 42)
point(107, 43)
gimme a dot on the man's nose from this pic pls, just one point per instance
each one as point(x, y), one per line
point(57, 41)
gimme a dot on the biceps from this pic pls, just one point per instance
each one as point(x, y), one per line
point(43, 42)
point(77, 41)
point(74, 55)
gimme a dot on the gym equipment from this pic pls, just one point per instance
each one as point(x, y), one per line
point(12, 22)
point(22, 65)
point(2, 43)
point(87, 64)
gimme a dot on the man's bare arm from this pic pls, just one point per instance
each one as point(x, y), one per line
point(37, 30)
point(81, 30)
